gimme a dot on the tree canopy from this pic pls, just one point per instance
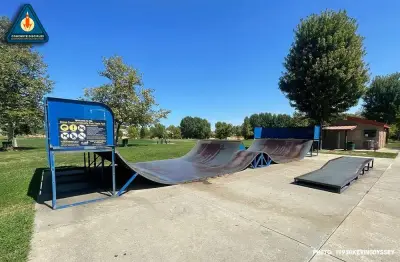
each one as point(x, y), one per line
point(195, 127)
point(382, 99)
point(174, 132)
point(247, 130)
point(223, 130)
point(23, 84)
point(131, 103)
point(325, 73)
point(157, 130)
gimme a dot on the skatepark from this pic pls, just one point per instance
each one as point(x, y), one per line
point(221, 201)
point(255, 214)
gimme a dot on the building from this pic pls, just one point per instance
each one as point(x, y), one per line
point(362, 132)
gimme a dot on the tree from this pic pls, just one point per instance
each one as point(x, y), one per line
point(247, 131)
point(144, 132)
point(23, 84)
point(158, 130)
point(133, 132)
point(131, 103)
point(237, 130)
point(382, 99)
point(300, 120)
point(223, 130)
point(325, 69)
point(174, 132)
point(195, 127)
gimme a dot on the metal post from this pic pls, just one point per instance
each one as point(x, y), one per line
point(102, 169)
point(89, 160)
point(84, 160)
point(53, 180)
point(113, 170)
point(345, 140)
point(95, 158)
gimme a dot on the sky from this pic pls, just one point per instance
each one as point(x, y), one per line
point(215, 59)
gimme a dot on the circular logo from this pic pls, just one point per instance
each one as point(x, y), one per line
point(81, 128)
point(27, 24)
point(73, 136)
point(64, 127)
point(73, 127)
point(81, 136)
point(64, 136)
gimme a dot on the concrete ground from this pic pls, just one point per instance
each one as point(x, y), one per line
point(253, 215)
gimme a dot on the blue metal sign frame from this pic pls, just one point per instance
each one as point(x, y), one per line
point(99, 118)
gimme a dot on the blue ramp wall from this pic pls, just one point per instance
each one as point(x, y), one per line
point(311, 132)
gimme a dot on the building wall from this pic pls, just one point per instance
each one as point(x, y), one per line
point(357, 135)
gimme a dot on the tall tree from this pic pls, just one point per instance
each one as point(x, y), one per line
point(23, 84)
point(247, 130)
point(131, 103)
point(382, 99)
point(158, 130)
point(133, 132)
point(174, 132)
point(237, 130)
point(300, 120)
point(325, 69)
point(144, 132)
point(223, 130)
point(195, 127)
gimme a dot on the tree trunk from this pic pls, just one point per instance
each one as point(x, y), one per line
point(11, 134)
point(117, 134)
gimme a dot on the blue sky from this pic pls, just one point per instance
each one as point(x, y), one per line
point(216, 59)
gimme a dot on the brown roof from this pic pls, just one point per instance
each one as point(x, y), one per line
point(366, 121)
point(339, 128)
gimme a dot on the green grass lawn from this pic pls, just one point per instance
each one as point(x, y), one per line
point(18, 191)
point(360, 153)
point(393, 144)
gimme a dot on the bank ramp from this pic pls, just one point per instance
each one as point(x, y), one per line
point(337, 174)
point(210, 158)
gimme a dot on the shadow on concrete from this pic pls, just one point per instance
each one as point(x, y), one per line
point(72, 181)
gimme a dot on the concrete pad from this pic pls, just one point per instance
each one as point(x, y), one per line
point(176, 229)
point(305, 214)
point(381, 200)
point(324, 258)
point(367, 230)
point(47, 219)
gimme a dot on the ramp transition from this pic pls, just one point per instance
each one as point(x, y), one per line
point(337, 174)
point(210, 158)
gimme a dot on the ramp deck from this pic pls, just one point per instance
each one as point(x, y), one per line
point(209, 158)
point(337, 174)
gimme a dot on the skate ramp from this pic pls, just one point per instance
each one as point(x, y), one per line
point(337, 174)
point(282, 150)
point(210, 158)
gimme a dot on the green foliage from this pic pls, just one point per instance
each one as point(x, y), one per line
point(195, 127)
point(325, 69)
point(223, 130)
point(394, 132)
point(277, 120)
point(158, 130)
point(131, 103)
point(23, 84)
point(247, 130)
point(300, 120)
point(133, 132)
point(237, 131)
point(382, 99)
point(144, 132)
point(174, 132)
